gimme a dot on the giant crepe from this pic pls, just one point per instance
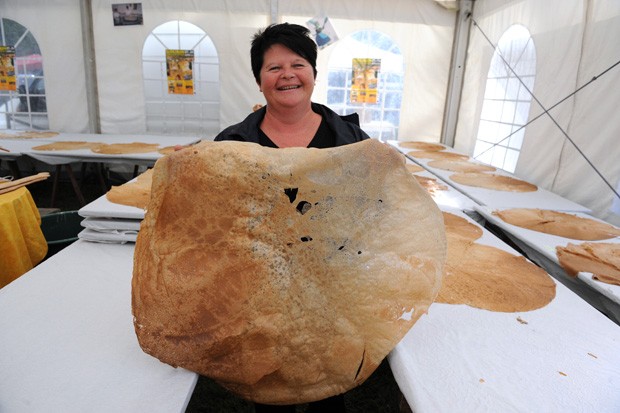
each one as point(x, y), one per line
point(287, 275)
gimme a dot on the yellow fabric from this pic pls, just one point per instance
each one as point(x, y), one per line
point(22, 243)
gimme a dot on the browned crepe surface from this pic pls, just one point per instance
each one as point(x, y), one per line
point(413, 168)
point(430, 184)
point(460, 166)
point(285, 274)
point(437, 155)
point(135, 193)
point(124, 148)
point(423, 146)
point(601, 259)
point(457, 226)
point(559, 223)
point(167, 150)
point(28, 134)
point(493, 181)
point(37, 134)
point(486, 277)
point(68, 145)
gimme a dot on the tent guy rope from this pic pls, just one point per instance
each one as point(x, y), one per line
point(546, 110)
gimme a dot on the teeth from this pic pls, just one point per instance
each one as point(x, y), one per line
point(288, 87)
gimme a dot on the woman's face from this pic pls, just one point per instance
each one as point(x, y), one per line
point(287, 79)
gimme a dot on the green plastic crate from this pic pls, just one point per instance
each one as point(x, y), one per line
point(60, 229)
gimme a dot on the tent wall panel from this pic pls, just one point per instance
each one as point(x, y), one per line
point(229, 23)
point(575, 40)
point(594, 124)
point(59, 35)
point(424, 32)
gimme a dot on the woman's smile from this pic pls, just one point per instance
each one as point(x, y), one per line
point(287, 79)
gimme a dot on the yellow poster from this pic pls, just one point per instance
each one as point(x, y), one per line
point(364, 80)
point(7, 68)
point(179, 65)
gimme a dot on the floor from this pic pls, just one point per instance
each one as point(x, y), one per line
point(379, 394)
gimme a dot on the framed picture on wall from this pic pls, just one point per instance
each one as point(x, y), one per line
point(127, 14)
point(322, 31)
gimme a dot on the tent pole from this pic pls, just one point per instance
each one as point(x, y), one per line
point(90, 68)
point(274, 11)
point(457, 70)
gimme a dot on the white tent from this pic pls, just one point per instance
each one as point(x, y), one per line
point(94, 73)
point(529, 86)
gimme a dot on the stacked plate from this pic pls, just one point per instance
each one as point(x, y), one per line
point(107, 222)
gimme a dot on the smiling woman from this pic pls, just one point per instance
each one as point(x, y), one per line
point(283, 58)
point(287, 81)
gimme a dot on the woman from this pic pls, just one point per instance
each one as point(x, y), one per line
point(283, 58)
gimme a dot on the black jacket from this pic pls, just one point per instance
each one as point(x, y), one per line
point(346, 128)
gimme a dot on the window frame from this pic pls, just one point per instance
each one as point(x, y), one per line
point(372, 115)
point(507, 99)
point(196, 114)
point(17, 109)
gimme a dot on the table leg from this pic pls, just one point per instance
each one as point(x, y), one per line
point(14, 169)
point(100, 167)
point(76, 187)
point(74, 183)
point(55, 184)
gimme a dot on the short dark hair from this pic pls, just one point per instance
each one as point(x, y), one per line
point(292, 36)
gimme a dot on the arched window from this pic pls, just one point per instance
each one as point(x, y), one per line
point(25, 107)
point(381, 119)
point(506, 104)
point(169, 113)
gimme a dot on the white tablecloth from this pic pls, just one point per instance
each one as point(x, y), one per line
point(497, 199)
point(67, 342)
point(19, 147)
point(102, 208)
point(450, 197)
point(461, 359)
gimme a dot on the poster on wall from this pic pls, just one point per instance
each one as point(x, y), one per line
point(364, 80)
point(322, 31)
point(7, 68)
point(179, 65)
point(127, 14)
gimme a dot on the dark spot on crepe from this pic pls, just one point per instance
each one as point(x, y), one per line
point(291, 193)
point(303, 207)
